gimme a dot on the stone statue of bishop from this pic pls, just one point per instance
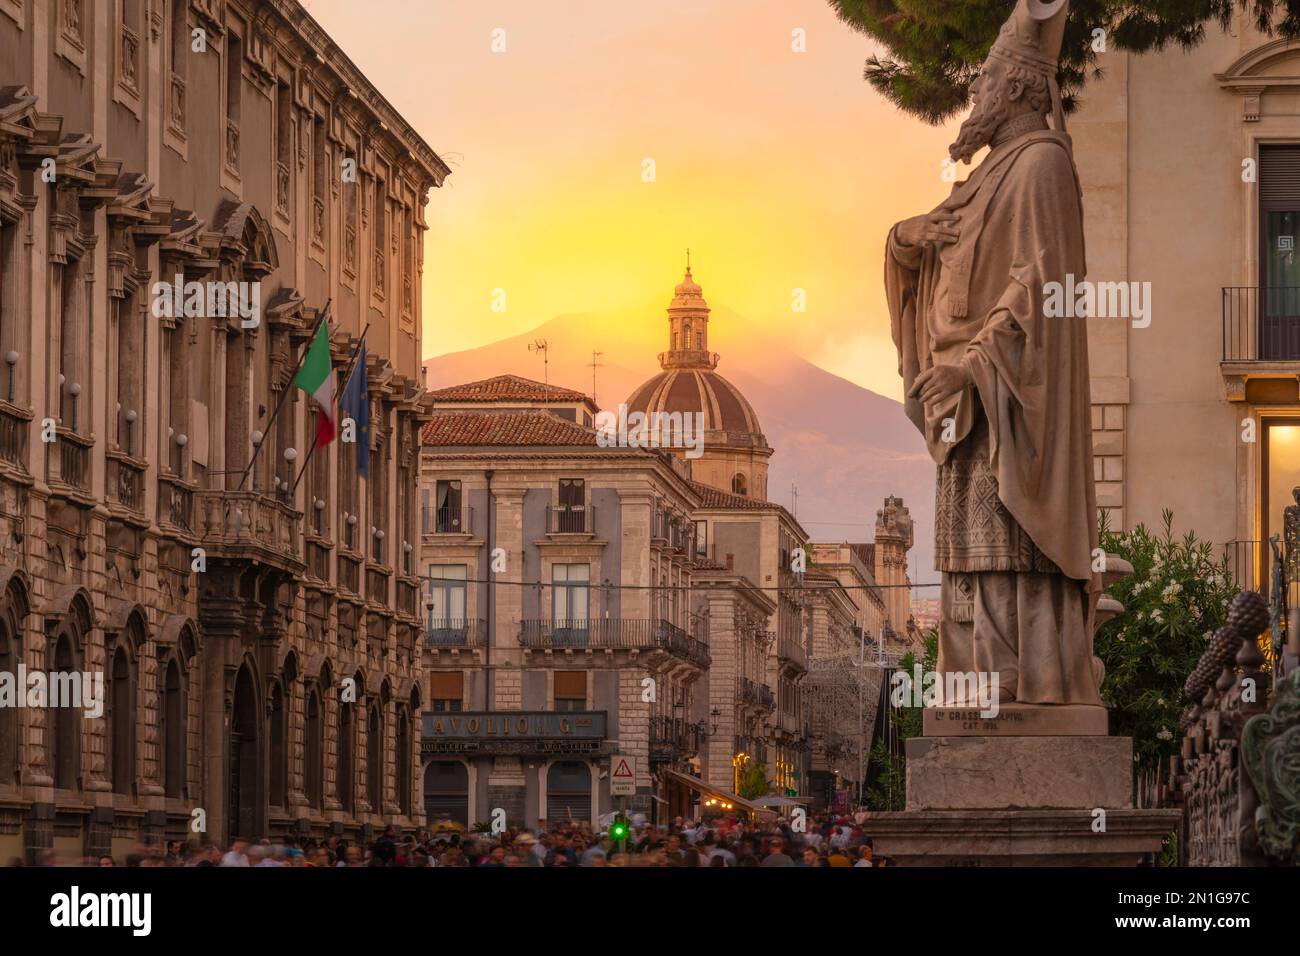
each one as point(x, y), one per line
point(998, 389)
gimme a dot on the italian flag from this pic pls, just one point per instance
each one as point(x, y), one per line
point(316, 378)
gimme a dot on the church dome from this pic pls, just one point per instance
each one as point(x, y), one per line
point(703, 390)
point(689, 381)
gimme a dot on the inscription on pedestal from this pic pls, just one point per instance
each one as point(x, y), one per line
point(1017, 720)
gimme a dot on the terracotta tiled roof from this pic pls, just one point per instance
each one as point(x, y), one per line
point(504, 428)
point(711, 497)
point(866, 553)
point(507, 388)
point(708, 564)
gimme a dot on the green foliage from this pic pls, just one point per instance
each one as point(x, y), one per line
point(1176, 597)
point(1168, 850)
point(753, 780)
point(887, 791)
point(888, 768)
point(934, 48)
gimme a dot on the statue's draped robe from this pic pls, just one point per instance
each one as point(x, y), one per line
point(1016, 508)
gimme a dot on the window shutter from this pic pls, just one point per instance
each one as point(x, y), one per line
point(447, 685)
point(1279, 175)
point(571, 684)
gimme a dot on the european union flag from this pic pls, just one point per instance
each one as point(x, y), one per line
point(355, 404)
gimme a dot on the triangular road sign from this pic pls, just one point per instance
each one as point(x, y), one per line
point(622, 770)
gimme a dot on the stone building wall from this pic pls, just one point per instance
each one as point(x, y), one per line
point(131, 542)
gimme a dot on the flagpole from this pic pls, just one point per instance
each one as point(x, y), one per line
point(324, 314)
point(347, 378)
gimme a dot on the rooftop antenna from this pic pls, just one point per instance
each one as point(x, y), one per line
point(794, 499)
point(595, 365)
point(541, 345)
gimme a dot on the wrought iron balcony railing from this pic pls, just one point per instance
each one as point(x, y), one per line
point(792, 650)
point(449, 519)
point(614, 634)
point(755, 694)
point(1261, 323)
point(454, 632)
point(570, 519)
point(672, 738)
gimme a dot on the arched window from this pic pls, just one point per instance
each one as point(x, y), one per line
point(344, 784)
point(739, 484)
point(279, 753)
point(63, 725)
point(375, 759)
point(313, 747)
point(173, 731)
point(9, 726)
point(120, 715)
point(403, 758)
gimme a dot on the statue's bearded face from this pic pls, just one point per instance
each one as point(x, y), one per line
point(991, 92)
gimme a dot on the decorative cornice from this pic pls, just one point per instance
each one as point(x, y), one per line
point(364, 93)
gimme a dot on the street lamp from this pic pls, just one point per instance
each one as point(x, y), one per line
point(290, 456)
point(11, 359)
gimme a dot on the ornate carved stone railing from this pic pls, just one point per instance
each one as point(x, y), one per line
point(73, 461)
point(1228, 689)
point(13, 439)
point(126, 481)
point(349, 573)
point(408, 596)
point(250, 525)
point(376, 586)
point(318, 561)
point(1270, 751)
point(175, 504)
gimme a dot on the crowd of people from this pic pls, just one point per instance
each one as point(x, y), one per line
point(832, 841)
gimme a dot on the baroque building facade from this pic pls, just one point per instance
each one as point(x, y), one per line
point(589, 604)
point(1194, 365)
point(250, 602)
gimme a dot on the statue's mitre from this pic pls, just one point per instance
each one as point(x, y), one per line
point(1032, 37)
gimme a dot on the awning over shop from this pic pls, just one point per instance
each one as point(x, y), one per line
point(782, 802)
point(695, 783)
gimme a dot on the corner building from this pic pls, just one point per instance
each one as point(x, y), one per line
point(257, 633)
point(587, 601)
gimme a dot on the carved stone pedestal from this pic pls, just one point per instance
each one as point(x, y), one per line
point(1019, 837)
point(1050, 800)
point(1014, 773)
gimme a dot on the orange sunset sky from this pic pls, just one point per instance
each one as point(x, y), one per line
point(780, 170)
